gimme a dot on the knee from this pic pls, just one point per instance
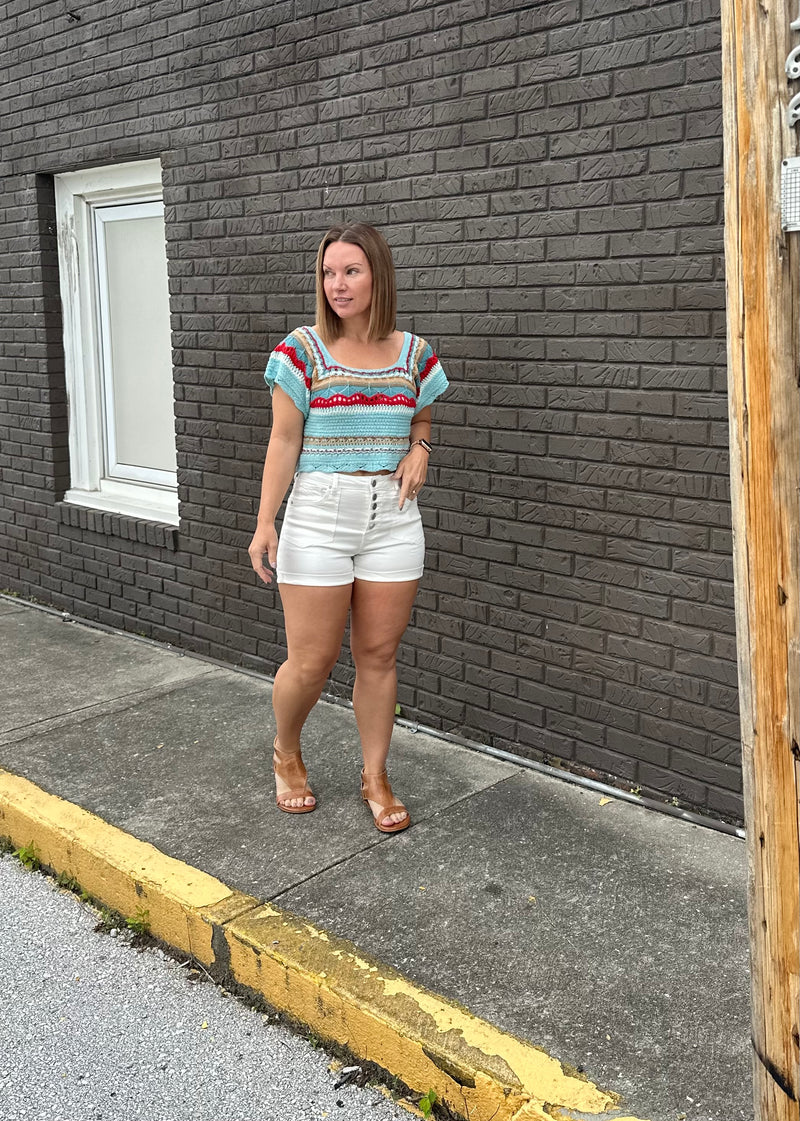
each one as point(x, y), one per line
point(312, 669)
point(374, 657)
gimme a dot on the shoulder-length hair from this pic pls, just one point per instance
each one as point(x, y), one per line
point(383, 310)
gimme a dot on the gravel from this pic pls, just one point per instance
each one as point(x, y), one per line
point(94, 1029)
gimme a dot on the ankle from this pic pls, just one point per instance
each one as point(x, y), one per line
point(288, 752)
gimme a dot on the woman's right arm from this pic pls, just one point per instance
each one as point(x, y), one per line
point(283, 452)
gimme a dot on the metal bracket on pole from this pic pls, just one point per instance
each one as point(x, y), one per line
point(793, 64)
point(793, 111)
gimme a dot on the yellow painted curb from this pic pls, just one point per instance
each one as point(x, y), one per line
point(321, 982)
point(121, 871)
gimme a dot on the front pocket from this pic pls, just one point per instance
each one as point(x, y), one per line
point(405, 524)
point(312, 488)
point(312, 512)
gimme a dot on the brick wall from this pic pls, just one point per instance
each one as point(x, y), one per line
point(549, 176)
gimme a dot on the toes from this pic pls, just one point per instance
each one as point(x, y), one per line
point(296, 803)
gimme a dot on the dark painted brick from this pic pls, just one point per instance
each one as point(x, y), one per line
point(550, 177)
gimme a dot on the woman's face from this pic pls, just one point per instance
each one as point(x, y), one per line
point(347, 279)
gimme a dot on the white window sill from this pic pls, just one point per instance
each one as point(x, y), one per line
point(129, 501)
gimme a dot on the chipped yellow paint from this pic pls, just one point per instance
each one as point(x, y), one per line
point(112, 866)
point(272, 910)
point(381, 1016)
point(359, 963)
point(322, 982)
point(532, 1066)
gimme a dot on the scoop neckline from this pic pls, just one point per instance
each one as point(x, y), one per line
point(359, 369)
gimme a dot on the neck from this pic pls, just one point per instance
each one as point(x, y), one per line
point(356, 330)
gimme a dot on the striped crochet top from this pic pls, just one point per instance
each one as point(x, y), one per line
point(355, 420)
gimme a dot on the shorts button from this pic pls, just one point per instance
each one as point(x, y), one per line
point(374, 482)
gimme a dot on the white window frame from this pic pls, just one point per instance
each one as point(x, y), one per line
point(139, 493)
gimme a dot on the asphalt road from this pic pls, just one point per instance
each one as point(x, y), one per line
point(94, 1029)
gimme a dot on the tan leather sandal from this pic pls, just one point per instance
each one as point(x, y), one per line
point(288, 767)
point(376, 788)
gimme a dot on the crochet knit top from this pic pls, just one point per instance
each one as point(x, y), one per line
point(355, 420)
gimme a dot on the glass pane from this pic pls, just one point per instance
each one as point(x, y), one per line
point(137, 345)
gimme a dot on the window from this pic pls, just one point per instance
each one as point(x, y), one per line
point(113, 276)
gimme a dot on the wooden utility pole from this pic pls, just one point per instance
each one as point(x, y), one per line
point(763, 283)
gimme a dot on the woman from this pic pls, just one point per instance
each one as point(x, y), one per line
point(351, 421)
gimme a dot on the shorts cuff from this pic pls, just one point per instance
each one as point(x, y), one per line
point(390, 577)
point(312, 581)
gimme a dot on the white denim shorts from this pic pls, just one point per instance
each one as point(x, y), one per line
point(338, 528)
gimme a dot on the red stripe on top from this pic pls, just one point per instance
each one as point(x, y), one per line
point(339, 400)
point(300, 366)
point(428, 367)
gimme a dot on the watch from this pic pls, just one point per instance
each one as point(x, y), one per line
point(423, 444)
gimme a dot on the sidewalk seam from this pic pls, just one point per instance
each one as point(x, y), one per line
point(378, 842)
point(351, 1001)
point(99, 708)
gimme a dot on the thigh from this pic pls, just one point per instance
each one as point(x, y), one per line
point(379, 614)
point(315, 619)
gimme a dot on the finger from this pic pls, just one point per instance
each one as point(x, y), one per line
point(406, 495)
point(263, 571)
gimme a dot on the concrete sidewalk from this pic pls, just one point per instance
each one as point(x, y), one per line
point(610, 937)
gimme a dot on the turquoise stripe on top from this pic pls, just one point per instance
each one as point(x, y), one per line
point(355, 420)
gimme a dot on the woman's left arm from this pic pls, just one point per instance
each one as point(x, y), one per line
point(413, 467)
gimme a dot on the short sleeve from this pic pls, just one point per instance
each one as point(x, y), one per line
point(288, 368)
point(430, 378)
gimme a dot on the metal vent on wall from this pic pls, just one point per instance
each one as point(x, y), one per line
point(790, 193)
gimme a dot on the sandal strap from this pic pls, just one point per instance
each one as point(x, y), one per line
point(291, 771)
point(289, 767)
point(384, 811)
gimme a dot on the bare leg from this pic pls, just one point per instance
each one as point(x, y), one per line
point(315, 620)
point(379, 616)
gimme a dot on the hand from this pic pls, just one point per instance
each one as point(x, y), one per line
point(411, 471)
point(265, 541)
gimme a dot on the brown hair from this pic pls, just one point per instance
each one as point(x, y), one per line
point(383, 310)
